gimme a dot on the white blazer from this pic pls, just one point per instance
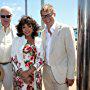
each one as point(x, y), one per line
point(62, 52)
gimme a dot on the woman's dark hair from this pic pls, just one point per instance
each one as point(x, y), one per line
point(30, 22)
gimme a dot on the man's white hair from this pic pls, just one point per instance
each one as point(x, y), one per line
point(6, 8)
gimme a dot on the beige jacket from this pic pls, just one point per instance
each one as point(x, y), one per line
point(62, 53)
point(5, 44)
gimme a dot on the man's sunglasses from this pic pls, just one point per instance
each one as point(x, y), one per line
point(46, 16)
point(5, 16)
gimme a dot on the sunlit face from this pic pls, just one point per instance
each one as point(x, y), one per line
point(47, 17)
point(5, 18)
point(27, 30)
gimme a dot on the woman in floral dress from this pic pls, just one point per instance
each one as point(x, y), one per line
point(27, 55)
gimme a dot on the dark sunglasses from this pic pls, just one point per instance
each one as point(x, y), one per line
point(46, 16)
point(5, 16)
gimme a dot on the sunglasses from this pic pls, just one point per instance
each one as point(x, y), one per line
point(46, 16)
point(5, 16)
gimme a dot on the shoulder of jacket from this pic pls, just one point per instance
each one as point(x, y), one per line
point(66, 28)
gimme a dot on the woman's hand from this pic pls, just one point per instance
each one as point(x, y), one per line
point(24, 74)
point(26, 77)
point(31, 70)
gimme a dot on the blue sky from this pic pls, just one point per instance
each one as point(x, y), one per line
point(66, 10)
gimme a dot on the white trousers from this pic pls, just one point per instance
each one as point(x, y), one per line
point(49, 82)
point(8, 78)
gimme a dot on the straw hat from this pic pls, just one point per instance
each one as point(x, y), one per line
point(1, 73)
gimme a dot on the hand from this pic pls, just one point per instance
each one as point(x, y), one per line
point(69, 82)
point(28, 75)
point(29, 79)
point(31, 71)
point(24, 74)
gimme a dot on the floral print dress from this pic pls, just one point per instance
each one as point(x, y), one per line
point(29, 57)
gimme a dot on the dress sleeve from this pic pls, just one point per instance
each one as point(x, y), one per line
point(40, 56)
point(14, 60)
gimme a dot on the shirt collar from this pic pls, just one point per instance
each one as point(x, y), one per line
point(52, 29)
point(7, 29)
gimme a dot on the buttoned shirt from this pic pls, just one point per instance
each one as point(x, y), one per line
point(5, 44)
point(48, 41)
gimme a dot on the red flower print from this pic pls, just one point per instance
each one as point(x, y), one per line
point(39, 54)
point(23, 56)
point(32, 58)
point(18, 82)
point(27, 48)
point(35, 50)
point(40, 62)
point(30, 87)
point(14, 59)
point(28, 64)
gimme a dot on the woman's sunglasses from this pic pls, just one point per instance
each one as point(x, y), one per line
point(5, 16)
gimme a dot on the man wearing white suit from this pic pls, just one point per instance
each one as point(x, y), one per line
point(60, 55)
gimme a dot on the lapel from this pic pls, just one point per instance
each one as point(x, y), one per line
point(54, 36)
